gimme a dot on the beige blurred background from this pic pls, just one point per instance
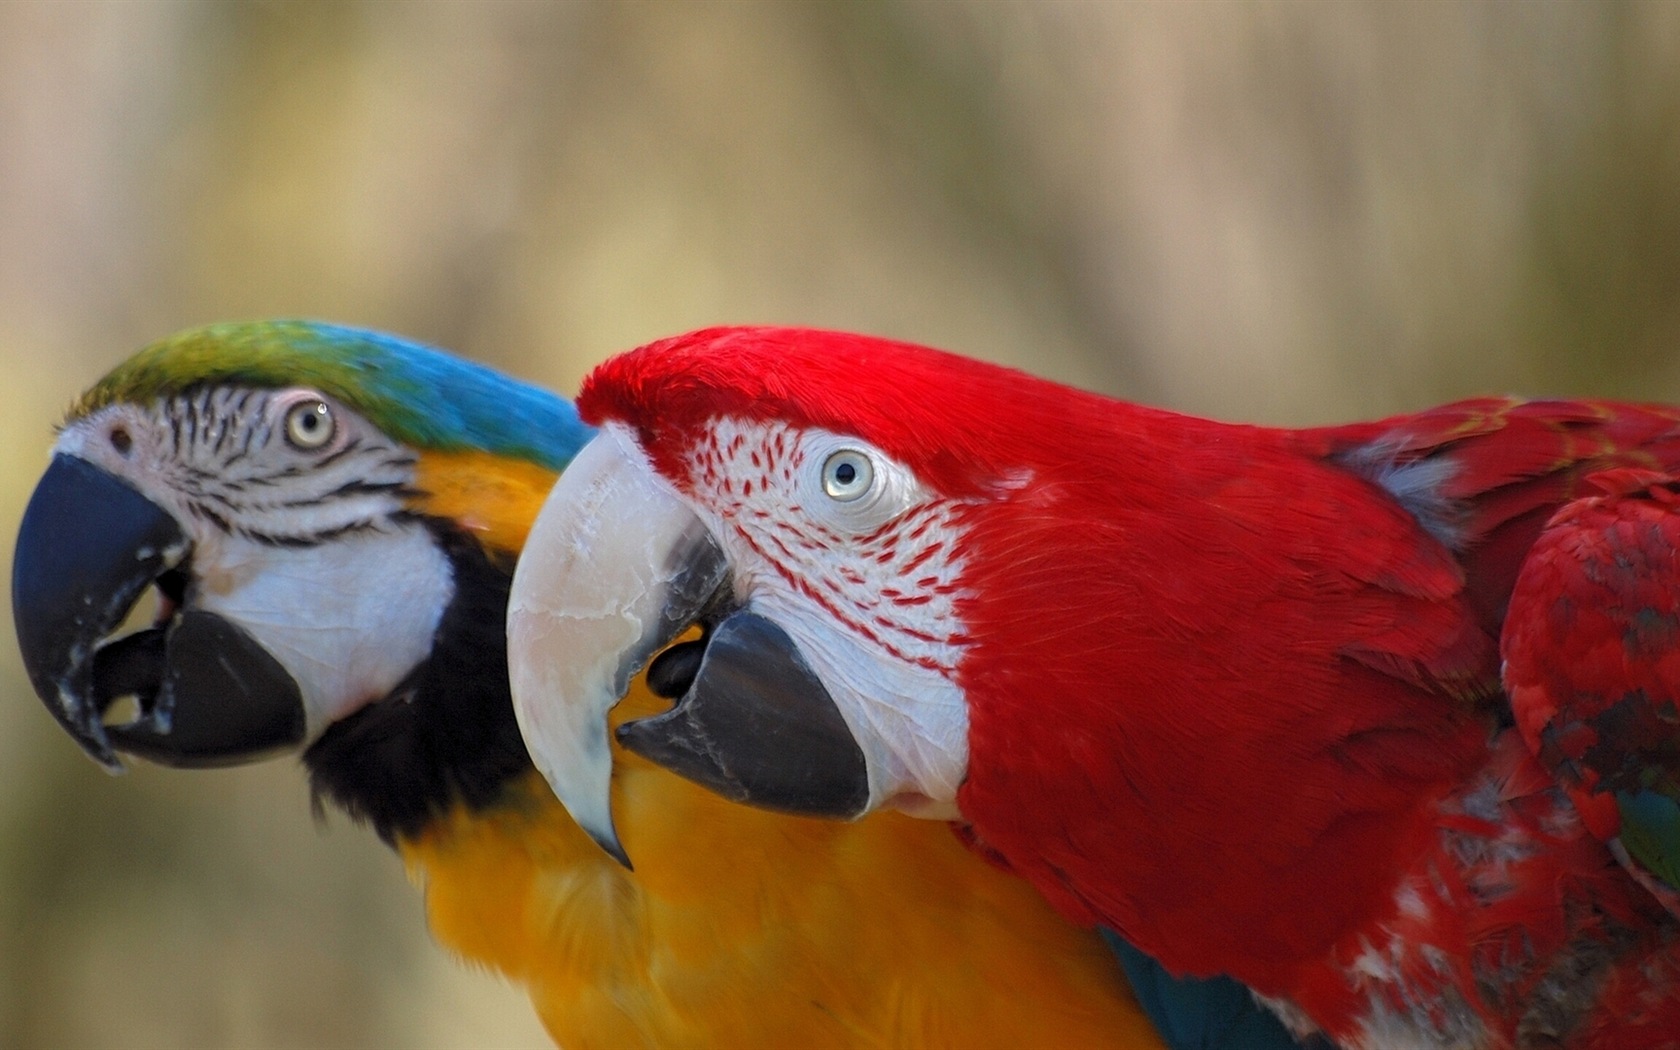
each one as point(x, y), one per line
point(1278, 212)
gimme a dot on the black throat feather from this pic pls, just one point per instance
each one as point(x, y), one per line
point(447, 733)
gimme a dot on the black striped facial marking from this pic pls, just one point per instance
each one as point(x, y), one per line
point(282, 468)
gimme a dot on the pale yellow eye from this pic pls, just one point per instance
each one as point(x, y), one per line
point(309, 425)
point(847, 474)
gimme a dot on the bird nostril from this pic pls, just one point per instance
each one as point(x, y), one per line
point(121, 441)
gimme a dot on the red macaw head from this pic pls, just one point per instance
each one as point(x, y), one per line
point(812, 499)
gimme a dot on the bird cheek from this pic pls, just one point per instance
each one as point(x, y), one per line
point(222, 568)
point(336, 615)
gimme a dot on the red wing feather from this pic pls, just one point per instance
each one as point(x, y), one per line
point(1592, 663)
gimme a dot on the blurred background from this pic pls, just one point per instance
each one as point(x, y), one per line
point(1278, 212)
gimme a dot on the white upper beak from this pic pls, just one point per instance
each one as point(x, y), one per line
point(615, 568)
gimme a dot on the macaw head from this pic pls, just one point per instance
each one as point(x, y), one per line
point(810, 499)
point(319, 509)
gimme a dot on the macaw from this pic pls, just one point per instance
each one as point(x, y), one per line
point(1232, 691)
point(331, 518)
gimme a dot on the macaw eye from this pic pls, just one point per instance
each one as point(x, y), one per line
point(309, 425)
point(847, 474)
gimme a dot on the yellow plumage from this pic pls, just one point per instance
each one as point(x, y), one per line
point(738, 927)
point(492, 497)
point(738, 923)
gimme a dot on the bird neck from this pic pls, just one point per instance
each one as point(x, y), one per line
point(446, 735)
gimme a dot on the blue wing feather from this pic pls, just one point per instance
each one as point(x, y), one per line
point(1194, 1013)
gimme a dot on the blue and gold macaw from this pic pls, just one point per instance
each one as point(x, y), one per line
point(331, 517)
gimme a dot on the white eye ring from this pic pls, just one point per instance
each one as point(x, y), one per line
point(847, 475)
point(309, 425)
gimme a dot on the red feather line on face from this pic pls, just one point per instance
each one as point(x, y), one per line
point(1226, 684)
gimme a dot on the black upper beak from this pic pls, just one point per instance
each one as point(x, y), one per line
point(616, 567)
point(208, 694)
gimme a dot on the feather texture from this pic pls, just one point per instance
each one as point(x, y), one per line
point(416, 394)
point(744, 929)
point(1232, 690)
point(1592, 662)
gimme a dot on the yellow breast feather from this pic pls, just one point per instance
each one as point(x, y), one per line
point(742, 928)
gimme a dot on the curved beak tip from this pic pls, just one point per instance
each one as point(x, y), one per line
point(615, 568)
point(89, 546)
point(82, 722)
point(608, 841)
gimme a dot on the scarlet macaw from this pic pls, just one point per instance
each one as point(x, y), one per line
point(332, 517)
point(1233, 691)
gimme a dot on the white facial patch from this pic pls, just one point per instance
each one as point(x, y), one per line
point(866, 586)
point(909, 719)
point(349, 619)
point(297, 530)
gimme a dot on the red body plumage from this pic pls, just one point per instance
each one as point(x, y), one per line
point(1235, 690)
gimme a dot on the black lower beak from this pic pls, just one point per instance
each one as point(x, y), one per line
point(754, 724)
point(89, 547)
point(221, 699)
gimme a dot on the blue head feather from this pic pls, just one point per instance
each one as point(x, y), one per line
point(419, 395)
